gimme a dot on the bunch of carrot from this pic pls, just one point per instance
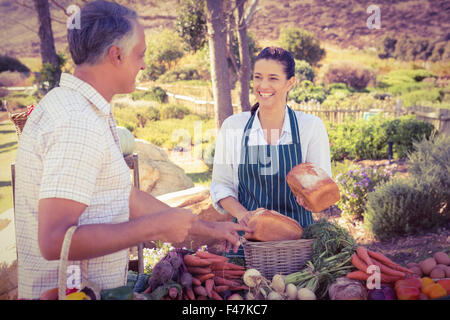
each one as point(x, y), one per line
point(212, 276)
point(389, 270)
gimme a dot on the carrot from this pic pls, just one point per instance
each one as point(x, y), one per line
point(226, 266)
point(215, 295)
point(209, 255)
point(196, 282)
point(364, 255)
point(383, 259)
point(190, 293)
point(238, 288)
point(209, 285)
point(221, 281)
point(388, 271)
point(358, 275)
point(221, 288)
point(202, 278)
point(200, 290)
point(358, 263)
point(193, 261)
point(202, 298)
point(230, 273)
point(198, 270)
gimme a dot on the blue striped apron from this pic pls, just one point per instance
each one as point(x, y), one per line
point(262, 176)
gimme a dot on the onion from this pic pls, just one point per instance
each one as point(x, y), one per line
point(278, 283)
point(305, 294)
point(291, 291)
point(274, 296)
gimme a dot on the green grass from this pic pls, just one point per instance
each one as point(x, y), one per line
point(201, 178)
point(8, 148)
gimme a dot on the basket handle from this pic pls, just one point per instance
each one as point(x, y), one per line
point(63, 263)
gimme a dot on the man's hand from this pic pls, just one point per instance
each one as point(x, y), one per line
point(227, 231)
point(175, 224)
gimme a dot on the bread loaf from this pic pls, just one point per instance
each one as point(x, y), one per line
point(314, 186)
point(269, 225)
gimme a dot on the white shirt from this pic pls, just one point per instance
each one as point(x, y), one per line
point(69, 149)
point(225, 181)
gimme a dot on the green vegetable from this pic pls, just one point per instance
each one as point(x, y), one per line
point(331, 255)
point(119, 293)
point(132, 277)
point(141, 283)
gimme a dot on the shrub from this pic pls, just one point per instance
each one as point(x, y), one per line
point(385, 46)
point(307, 91)
point(368, 139)
point(356, 76)
point(163, 51)
point(429, 164)
point(152, 114)
point(8, 63)
point(174, 111)
point(11, 78)
point(302, 44)
point(418, 97)
point(405, 131)
point(154, 94)
point(399, 208)
point(180, 73)
point(303, 71)
point(354, 186)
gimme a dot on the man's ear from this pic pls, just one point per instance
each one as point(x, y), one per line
point(115, 55)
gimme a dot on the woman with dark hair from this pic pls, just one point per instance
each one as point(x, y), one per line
point(255, 150)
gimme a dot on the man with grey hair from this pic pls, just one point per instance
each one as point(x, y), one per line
point(70, 170)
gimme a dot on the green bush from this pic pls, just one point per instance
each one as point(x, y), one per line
point(302, 44)
point(157, 94)
point(368, 139)
point(180, 73)
point(303, 71)
point(429, 164)
point(354, 186)
point(164, 49)
point(152, 114)
point(404, 132)
point(8, 63)
point(191, 24)
point(174, 111)
point(353, 75)
point(421, 96)
point(399, 208)
point(307, 91)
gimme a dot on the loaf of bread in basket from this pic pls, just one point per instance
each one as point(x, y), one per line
point(269, 225)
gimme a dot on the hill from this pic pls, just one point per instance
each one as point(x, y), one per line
point(340, 22)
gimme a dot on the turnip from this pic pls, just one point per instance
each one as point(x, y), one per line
point(277, 283)
point(305, 294)
point(274, 296)
point(291, 291)
point(252, 278)
point(235, 296)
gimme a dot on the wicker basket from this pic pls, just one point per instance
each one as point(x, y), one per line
point(277, 257)
point(19, 119)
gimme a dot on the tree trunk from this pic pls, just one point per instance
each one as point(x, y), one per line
point(217, 37)
point(48, 52)
point(244, 53)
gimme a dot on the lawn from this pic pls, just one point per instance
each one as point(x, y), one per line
point(8, 147)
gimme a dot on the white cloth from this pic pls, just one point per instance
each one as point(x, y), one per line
point(313, 138)
point(69, 149)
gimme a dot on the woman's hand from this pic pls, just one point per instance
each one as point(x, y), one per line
point(245, 217)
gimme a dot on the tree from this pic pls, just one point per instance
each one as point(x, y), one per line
point(48, 51)
point(302, 44)
point(217, 40)
point(191, 24)
point(244, 71)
